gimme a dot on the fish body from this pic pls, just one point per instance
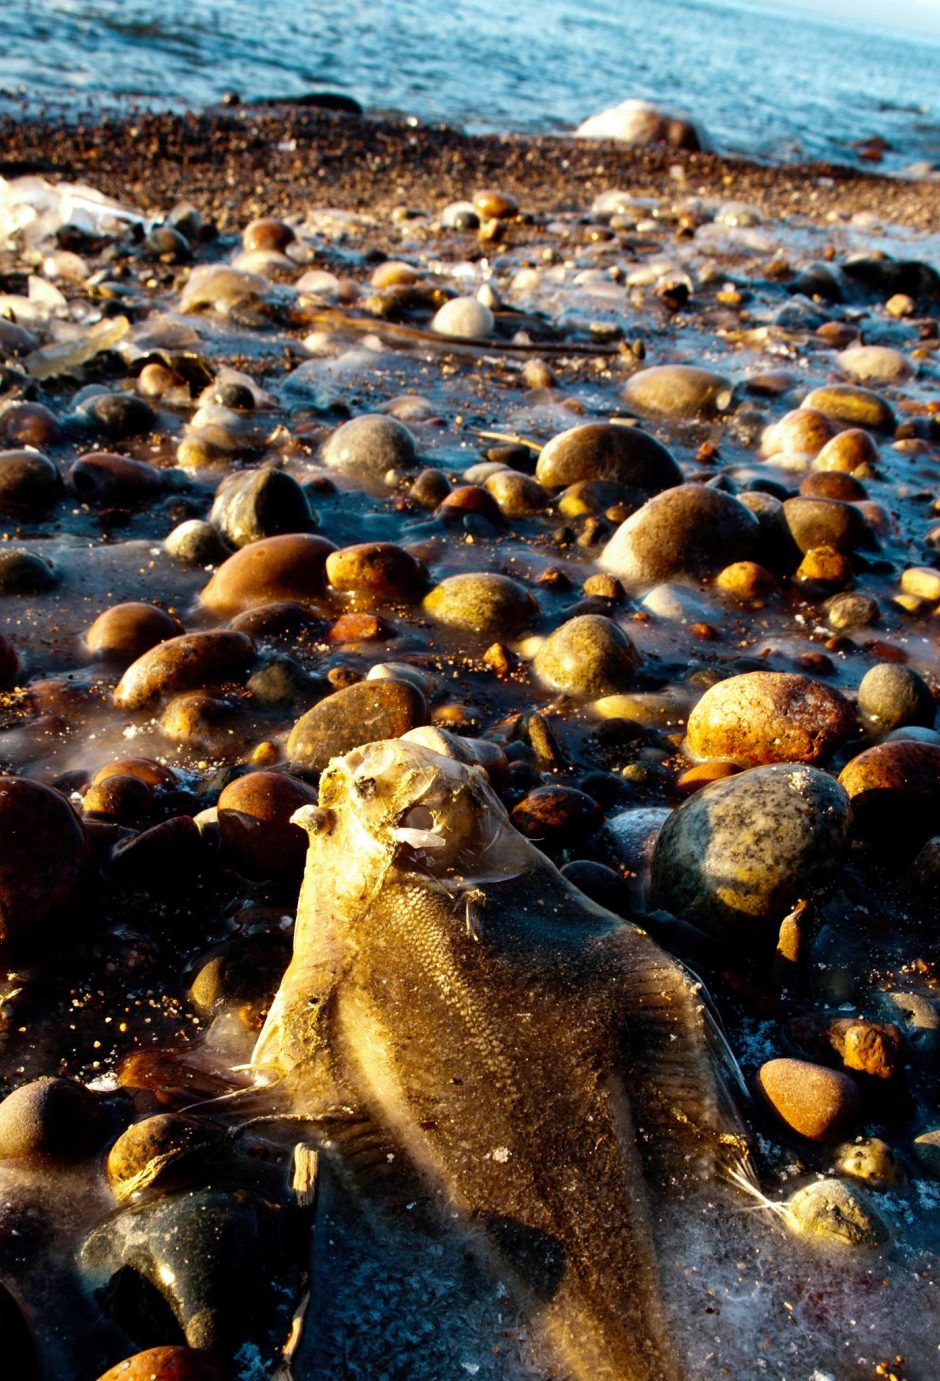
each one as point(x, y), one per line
point(457, 1015)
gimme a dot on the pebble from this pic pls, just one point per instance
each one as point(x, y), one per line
point(208, 724)
point(43, 862)
point(474, 752)
point(23, 572)
point(770, 716)
point(481, 602)
point(267, 232)
point(801, 432)
point(190, 661)
point(48, 1120)
point(891, 696)
point(288, 568)
point(164, 1152)
point(357, 714)
point(875, 364)
point(126, 631)
point(196, 542)
point(495, 204)
point(253, 504)
point(835, 1211)
point(679, 391)
point(737, 855)
point(118, 415)
point(824, 523)
point(147, 770)
point(370, 446)
point(29, 481)
point(9, 663)
point(557, 816)
point(601, 451)
point(466, 318)
point(853, 406)
point(105, 480)
point(378, 569)
point(848, 612)
point(460, 215)
point(817, 1103)
point(685, 533)
point(587, 657)
point(926, 1148)
point(122, 798)
point(164, 858)
point(849, 451)
point(871, 1161)
point(640, 122)
point(518, 496)
point(745, 580)
point(895, 790)
point(257, 837)
point(170, 1364)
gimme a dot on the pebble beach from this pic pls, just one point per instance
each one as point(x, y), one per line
point(615, 470)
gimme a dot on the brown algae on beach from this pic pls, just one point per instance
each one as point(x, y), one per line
point(614, 523)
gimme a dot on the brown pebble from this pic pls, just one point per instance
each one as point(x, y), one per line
point(167, 1150)
point(817, 1103)
point(104, 479)
point(557, 815)
point(29, 424)
point(868, 1047)
point(29, 482)
point(848, 451)
point(895, 789)
point(381, 569)
point(43, 862)
point(289, 567)
point(48, 1120)
point(470, 498)
point(801, 432)
point(826, 566)
point(164, 857)
point(257, 837)
point(126, 631)
point(694, 778)
point(156, 380)
point(357, 714)
point(267, 232)
point(832, 484)
point(208, 724)
point(769, 716)
point(184, 663)
point(170, 1364)
point(360, 628)
point(745, 580)
point(495, 204)
point(120, 797)
point(145, 769)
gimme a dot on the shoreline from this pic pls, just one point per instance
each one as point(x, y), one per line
point(238, 162)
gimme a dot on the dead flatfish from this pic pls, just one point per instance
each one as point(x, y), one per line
point(454, 1009)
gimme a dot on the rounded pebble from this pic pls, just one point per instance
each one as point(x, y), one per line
point(357, 714)
point(126, 631)
point(464, 317)
point(621, 455)
point(687, 532)
point(815, 1102)
point(680, 391)
point(770, 716)
point(43, 858)
point(253, 504)
point(257, 837)
point(370, 445)
point(481, 602)
point(836, 1211)
point(892, 696)
point(48, 1120)
point(587, 657)
point(193, 660)
point(286, 568)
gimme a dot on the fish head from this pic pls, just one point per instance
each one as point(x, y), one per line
point(402, 805)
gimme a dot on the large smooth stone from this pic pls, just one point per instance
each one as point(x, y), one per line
point(253, 504)
point(895, 788)
point(852, 405)
point(481, 602)
point(370, 445)
point(285, 568)
point(835, 1211)
point(587, 657)
point(769, 716)
point(604, 451)
point(809, 1099)
point(192, 661)
point(380, 569)
point(43, 857)
point(257, 837)
point(126, 631)
point(737, 855)
point(28, 481)
point(640, 122)
point(875, 364)
point(357, 714)
point(680, 391)
point(690, 532)
point(892, 696)
point(48, 1119)
point(815, 522)
point(103, 479)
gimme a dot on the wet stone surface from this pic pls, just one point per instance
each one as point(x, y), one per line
point(628, 505)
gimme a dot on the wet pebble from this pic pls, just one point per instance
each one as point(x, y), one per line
point(197, 543)
point(926, 1148)
point(253, 504)
point(848, 451)
point(770, 716)
point(891, 696)
point(848, 612)
point(103, 479)
point(852, 405)
point(481, 602)
point(600, 451)
point(163, 858)
point(164, 1152)
point(895, 789)
point(557, 816)
point(191, 661)
point(379, 569)
point(29, 481)
point(464, 317)
point(875, 364)
point(687, 532)
point(208, 724)
point(170, 1364)
point(587, 657)
point(872, 1162)
point(737, 855)
point(120, 797)
point(815, 1102)
point(836, 1211)
point(126, 631)
point(118, 415)
point(48, 1120)
point(518, 496)
point(257, 837)
point(285, 568)
point(43, 860)
point(814, 522)
point(23, 572)
point(801, 432)
point(357, 714)
point(679, 391)
point(371, 446)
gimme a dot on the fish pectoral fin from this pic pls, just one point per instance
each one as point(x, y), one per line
point(534, 1260)
point(684, 1084)
point(363, 1148)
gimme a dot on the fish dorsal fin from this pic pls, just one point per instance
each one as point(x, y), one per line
point(683, 1082)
